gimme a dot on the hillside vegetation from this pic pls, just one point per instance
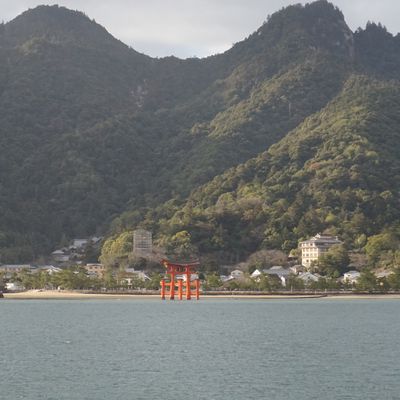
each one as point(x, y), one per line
point(338, 172)
point(292, 131)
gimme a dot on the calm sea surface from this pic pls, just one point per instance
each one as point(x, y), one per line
point(212, 349)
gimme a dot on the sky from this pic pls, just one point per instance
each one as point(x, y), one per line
point(187, 28)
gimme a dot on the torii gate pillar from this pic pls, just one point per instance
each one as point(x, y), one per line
point(176, 273)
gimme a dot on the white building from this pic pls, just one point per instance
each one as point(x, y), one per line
point(312, 249)
point(351, 277)
point(296, 269)
point(183, 277)
point(237, 274)
point(256, 273)
point(14, 287)
point(138, 274)
point(225, 278)
point(50, 269)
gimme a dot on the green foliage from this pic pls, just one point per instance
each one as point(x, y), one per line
point(291, 132)
point(330, 174)
point(264, 283)
point(72, 278)
point(325, 283)
point(295, 283)
point(334, 262)
point(117, 251)
point(180, 246)
point(383, 246)
point(213, 281)
point(394, 279)
point(367, 281)
point(154, 282)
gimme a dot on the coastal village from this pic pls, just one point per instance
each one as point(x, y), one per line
point(200, 199)
point(299, 271)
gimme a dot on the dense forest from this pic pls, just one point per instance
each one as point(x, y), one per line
point(293, 131)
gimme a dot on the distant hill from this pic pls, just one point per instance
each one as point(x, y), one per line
point(292, 131)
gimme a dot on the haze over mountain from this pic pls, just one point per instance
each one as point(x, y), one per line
point(292, 131)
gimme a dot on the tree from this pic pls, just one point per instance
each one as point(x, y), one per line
point(377, 245)
point(360, 241)
point(264, 283)
point(252, 267)
point(181, 246)
point(109, 280)
point(213, 281)
point(71, 278)
point(325, 284)
point(394, 279)
point(367, 281)
point(116, 250)
point(295, 283)
point(335, 261)
point(267, 258)
point(154, 282)
point(91, 253)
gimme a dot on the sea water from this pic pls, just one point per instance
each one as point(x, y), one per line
point(208, 349)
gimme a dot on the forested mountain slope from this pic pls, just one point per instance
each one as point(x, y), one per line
point(339, 171)
point(89, 128)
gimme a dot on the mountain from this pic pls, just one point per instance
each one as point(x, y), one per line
point(338, 171)
point(97, 137)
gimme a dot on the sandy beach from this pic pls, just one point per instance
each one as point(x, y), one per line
point(75, 295)
point(71, 295)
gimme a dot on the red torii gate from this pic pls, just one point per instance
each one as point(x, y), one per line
point(174, 269)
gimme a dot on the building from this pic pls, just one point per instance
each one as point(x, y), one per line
point(96, 239)
point(308, 277)
point(95, 270)
point(15, 268)
point(50, 269)
point(312, 249)
point(131, 275)
point(226, 278)
point(237, 274)
point(280, 272)
point(137, 274)
point(297, 269)
point(142, 243)
point(193, 277)
point(383, 274)
point(351, 277)
point(14, 287)
point(60, 255)
point(79, 244)
point(256, 274)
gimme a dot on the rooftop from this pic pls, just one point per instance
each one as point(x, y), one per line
point(16, 266)
point(318, 238)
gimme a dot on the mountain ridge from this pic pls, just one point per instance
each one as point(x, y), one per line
point(91, 128)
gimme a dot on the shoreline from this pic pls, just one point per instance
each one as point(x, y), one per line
point(75, 295)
